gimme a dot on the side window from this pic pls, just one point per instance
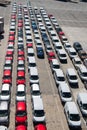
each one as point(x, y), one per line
point(68, 113)
point(80, 104)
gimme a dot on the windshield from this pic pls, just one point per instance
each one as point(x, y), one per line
point(83, 54)
point(20, 78)
point(56, 66)
point(21, 113)
point(60, 78)
point(7, 65)
point(39, 113)
point(3, 113)
point(5, 92)
point(84, 74)
point(30, 54)
point(34, 77)
point(6, 77)
point(66, 94)
point(32, 64)
point(85, 106)
point(35, 93)
point(63, 55)
point(21, 93)
point(78, 62)
point(74, 117)
point(73, 53)
point(73, 77)
point(59, 47)
point(20, 65)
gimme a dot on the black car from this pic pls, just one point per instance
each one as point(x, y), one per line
point(40, 52)
point(77, 46)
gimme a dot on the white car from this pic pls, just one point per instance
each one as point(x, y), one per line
point(62, 55)
point(54, 64)
point(59, 77)
point(54, 39)
point(64, 92)
point(64, 39)
point(77, 62)
point(67, 46)
point(33, 75)
point(82, 71)
point(72, 52)
point(35, 90)
point(38, 110)
point(72, 77)
point(72, 115)
point(5, 92)
point(58, 46)
point(20, 93)
point(82, 102)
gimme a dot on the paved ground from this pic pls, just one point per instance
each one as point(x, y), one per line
point(72, 17)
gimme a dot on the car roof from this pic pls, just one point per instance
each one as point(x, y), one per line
point(72, 107)
point(21, 73)
point(5, 86)
point(3, 105)
point(61, 51)
point(20, 88)
point(71, 71)
point(21, 105)
point(3, 128)
point(40, 127)
point(33, 71)
point(77, 59)
point(55, 61)
point(7, 72)
point(21, 127)
point(38, 103)
point(71, 49)
point(64, 87)
point(83, 68)
point(83, 97)
point(59, 72)
point(35, 87)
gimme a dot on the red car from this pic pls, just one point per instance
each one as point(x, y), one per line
point(29, 45)
point(9, 53)
point(51, 55)
point(21, 77)
point(50, 15)
point(21, 58)
point(7, 77)
point(40, 127)
point(21, 113)
point(11, 33)
point(13, 16)
point(10, 42)
point(20, 53)
point(20, 21)
point(20, 24)
point(11, 38)
point(21, 127)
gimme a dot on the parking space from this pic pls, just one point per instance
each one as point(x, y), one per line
point(73, 22)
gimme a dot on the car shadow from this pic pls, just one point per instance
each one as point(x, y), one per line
point(3, 5)
point(1, 37)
